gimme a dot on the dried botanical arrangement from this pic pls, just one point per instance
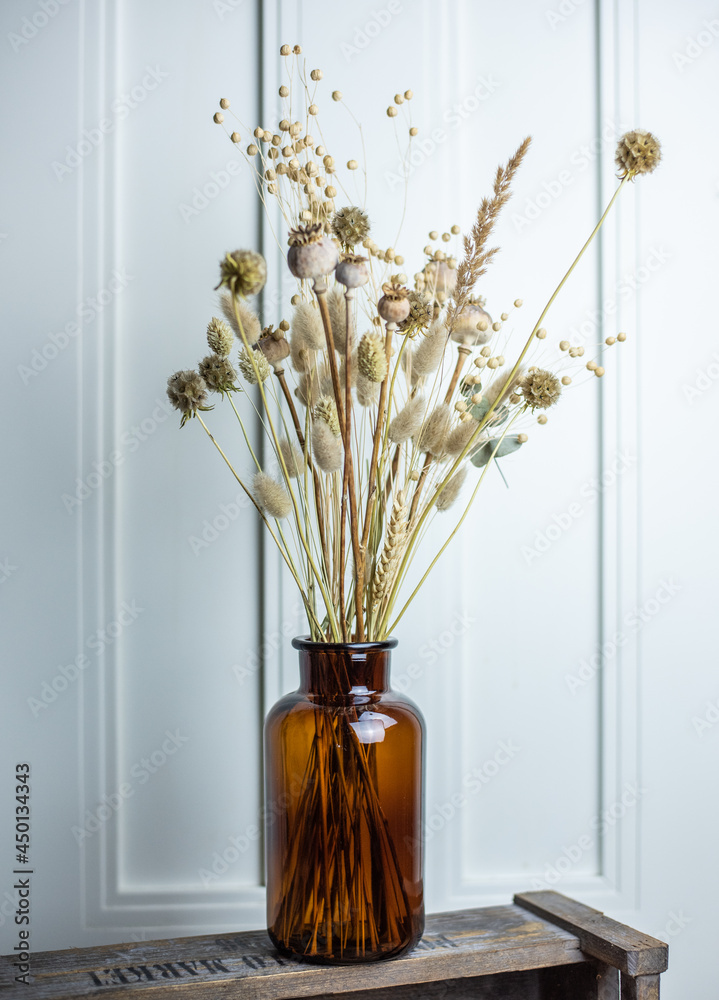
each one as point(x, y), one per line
point(384, 406)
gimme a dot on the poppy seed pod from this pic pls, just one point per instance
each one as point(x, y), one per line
point(352, 271)
point(274, 346)
point(311, 255)
point(472, 325)
point(393, 307)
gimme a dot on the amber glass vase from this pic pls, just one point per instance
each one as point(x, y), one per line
point(344, 768)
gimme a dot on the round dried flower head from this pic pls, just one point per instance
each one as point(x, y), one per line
point(218, 373)
point(540, 389)
point(220, 337)
point(352, 271)
point(420, 315)
point(244, 272)
point(311, 255)
point(245, 365)
point(638, 152)
point(350, 225)
point(187, 391)
point(274, 346)
point(393, 307)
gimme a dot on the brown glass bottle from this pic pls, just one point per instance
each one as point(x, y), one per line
point(344, 783)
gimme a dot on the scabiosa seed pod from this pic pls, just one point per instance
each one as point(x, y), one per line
point(350, 225)
point(638, 152)
point(460, 436)
point(218, 373)
point(371, 357)
point(435, 430)
point(326, 409)
point(352, 271)
point(408, 421)
point(248, 372)
point(275, 347)
point(430, 350)
point(472, 325)
point(326, 447)
point(187, 391)
point(271, 496)
point(249, 323)
point(311, 255)
point(452, 490)
point(540, 389)
point(220, 337)
point(393, 307)
point(244, 272)
point(307, 329)
point(293, 458)
point(420, 315)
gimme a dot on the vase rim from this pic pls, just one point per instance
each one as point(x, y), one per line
point(304, 642)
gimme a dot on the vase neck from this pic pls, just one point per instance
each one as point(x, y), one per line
point(344, 670)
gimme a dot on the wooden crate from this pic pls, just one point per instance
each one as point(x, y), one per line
point(543, 947)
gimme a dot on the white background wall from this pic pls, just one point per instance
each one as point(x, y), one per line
point(615, 758)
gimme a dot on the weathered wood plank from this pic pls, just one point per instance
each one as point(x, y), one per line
point(626, 949)
point(641, 988)
point(470, 943)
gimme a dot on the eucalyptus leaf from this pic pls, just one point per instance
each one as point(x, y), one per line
point(485, 452)
point(479, 410)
